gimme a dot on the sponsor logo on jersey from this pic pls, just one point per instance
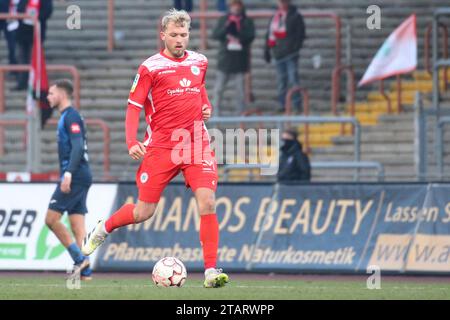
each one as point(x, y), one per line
point(180, 91)
point(144, 177)
point(185, 82)
point(166, 71)
point(195, 70)
point(75, 128)
point(185, 88)
point(135, 82)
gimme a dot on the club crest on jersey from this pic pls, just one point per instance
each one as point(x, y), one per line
point(135, 82)
point(144, 177)
point(195, 70)
point(75, 128)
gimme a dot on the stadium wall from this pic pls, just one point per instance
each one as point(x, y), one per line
point(323, 228)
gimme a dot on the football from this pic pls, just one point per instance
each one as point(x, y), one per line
point(169, 272)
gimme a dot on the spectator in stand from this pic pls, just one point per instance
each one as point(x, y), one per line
point(294, 163)
point(222, 5)
point(44, 9)
point(235, 31)
point(183, 5)
point(8, 28)
point(284, 39)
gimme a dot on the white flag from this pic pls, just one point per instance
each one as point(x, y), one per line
point(398, 54)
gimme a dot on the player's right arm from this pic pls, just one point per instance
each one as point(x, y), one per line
point(137, 99)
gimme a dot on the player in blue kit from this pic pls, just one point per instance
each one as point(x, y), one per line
point(76, 178)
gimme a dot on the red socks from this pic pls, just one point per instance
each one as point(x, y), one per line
point(209, 231)
point(122, 217)
point(209, 239)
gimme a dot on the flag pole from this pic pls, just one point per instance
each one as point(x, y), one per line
point(33, 127)
point(399, 94)
point(385, 96)
point(37, 113)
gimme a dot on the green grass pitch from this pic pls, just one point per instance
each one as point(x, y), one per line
point(53, 286)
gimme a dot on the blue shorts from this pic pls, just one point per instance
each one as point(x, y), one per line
point(73, 202)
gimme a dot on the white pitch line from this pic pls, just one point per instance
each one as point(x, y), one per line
point(132, 286)
point(233, 286)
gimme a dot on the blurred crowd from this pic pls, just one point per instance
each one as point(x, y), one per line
point(18, 34)
point(235, 32)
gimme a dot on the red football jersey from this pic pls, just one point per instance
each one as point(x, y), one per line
point(172, 93)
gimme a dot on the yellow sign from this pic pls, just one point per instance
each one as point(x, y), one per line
point(412, 253)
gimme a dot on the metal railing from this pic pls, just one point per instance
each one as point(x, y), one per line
point(228, 167)
point(288, 110)
point(9, 123)
point(444, 44)
point(251, 112)
point(262, 14)
point(203, 15)
point(51, 68)
point(19, 16)
point(421, 115)
point(305, 96)
point(315, 165)
point(422, 150)
point(438, 63)
point(7, 16)
point(335, 90)
point(387, 98)
point(280, 122)
point(442, 122)
point(420, 138)
point(89, 121)
point(106, 141)
point(111, 18)
point(351, 165)
point(19, 67)
point(110, 27)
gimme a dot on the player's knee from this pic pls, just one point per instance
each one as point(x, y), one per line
point(207, 205)
point(50, 221)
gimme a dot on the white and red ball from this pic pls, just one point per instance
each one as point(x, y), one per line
point(169, 272)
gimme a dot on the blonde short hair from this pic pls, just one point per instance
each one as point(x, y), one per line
point(179, 17)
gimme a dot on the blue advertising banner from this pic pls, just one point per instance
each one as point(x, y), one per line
point(294, 228)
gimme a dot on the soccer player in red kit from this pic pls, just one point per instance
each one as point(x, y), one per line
point(170, 87)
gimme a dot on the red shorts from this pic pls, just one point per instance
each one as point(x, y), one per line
point(161, 165)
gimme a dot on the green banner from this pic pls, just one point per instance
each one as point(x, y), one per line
point(12, 251)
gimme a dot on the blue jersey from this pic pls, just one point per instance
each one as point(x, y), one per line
point(72, 147)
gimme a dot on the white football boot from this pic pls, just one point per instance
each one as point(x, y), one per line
point(215, 278)
point(94, 239)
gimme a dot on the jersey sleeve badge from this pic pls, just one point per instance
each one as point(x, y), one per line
point(135, 82)
point(75, 128)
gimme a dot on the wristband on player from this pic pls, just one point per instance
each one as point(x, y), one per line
point(67, 174)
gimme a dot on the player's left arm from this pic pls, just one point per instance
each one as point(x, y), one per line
point(206, 104)
point(73, 126)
